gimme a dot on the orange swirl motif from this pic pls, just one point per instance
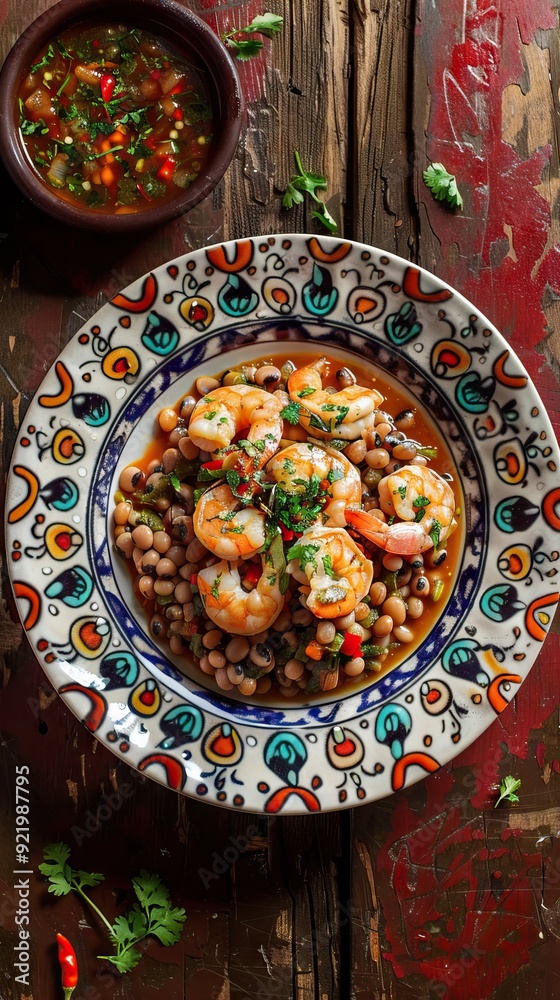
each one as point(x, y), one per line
point(513, 381)
point(66, 387)
point(31, 595)
point(174, 771)
point(242, 256)
point(411, 288)
point(98, 708)
point(535, 612)
point(495, 696)
point(327, 256)
point(420, 759)
point(25, 506)
point(147, 297)
point(550, 502)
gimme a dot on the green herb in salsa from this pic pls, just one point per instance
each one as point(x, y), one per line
point(113, 120)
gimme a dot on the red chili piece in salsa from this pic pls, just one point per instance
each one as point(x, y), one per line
point(113, 120)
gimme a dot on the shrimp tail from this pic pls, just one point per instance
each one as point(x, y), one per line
point(402, 537)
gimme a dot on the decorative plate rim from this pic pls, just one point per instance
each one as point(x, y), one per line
point(140, 713)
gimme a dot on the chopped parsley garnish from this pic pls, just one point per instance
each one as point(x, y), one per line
point(435, 533)
point(305, 553)
point(49, 54)
point(291, 413)
point(327, 566)
point(308, 391)
point(215, 591)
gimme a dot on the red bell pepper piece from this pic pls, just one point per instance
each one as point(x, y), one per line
point(167, 169)
point(253, 574)
point(155, 74)
point(216, 463)
point(178, 114)
point(177, 89)
point(351, 645)
point(287, 533)
point(107, 84)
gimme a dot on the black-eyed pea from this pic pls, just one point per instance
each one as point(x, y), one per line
point(356, 452)
point(137, 555)
point(176, 645)
point(325, 634)
point(154, 478)
point(289, 691)
point(174, 612)
point(237, 649)
point(268, 376)
point(124, 545)
point(405, 451)
point(164, 588)
point(120, 529)
point(403, 634)
point(143, 537)
point(383, 626)
point(302, 616)
point(157, 626)
point(166, 568)
point(177, 434)
point(345, 378)
point(223, 680)
point(392, 562)
point(355, 666)
point(264, 684)
point(212, 638)
point(236, 673)
point(177, 555)
point(146, 587)
point(395, 608)
point(121, 512)
point(153, 466)
point(415, 607)
point(186, 407)
point(150, 560)
point(132, 478)
point(188, 448)
point(248, 686)
point(405, 420)
point(216, 658)
point(189, 611)
point(167, 419)
point(344, 622)
point(294, 669)
point(262, 656)
point(206, 384)
point(361, 611)
point(183, 592)
point(195, 550)
point(206, 666)
point(169, 459)
point(377, 593)
point(420, 586)
point(378, 458)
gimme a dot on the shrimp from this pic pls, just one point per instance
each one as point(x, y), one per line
point(234, 609)
point(293, 469)
point(331, 564)
point(226, 527)
point(423, 501)
point(343, 415)
point(218, 417)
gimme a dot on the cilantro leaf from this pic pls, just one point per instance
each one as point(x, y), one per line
point(291, 413)
point(328, 567)
point(442, 185)
point(305, 553)
point(508, 788)
point(49, 54)
point(325, 217)
point(266, 24)
point(307, 182)
point(291, 196)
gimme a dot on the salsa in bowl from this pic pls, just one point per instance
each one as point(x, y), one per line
point(118, 116)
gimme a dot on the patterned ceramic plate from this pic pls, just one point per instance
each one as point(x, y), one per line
point(95, 413)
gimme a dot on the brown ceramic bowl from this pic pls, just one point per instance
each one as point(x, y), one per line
point(188, 35)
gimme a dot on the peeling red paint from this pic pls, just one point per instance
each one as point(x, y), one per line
point(499, 184)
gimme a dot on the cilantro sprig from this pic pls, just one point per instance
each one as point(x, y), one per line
point(152, 914)
point(266, 24)
point(443, 185)
point(508, 788)
point(307, 182)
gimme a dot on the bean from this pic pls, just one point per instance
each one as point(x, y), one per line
point(361, 611)
point(301, 616)
point(378, 458)
point(282, 396)
point(237, 648)
point(222, 678)
point(189, 611)
point(131, 479)
point(234, 378)
point(188, 448)
point(405, 420)
point(268, 376)
point(262, 656)
point(438, 557)
point(154, 479)
point(157, 626)
point(395, 608)
point(137, 554)
point(212, 638)
point(416, 561)
point(372, 477)
point(248, 686)
point(183, 592)
point(177, 434)
point(420, 586)
point(119, 530)
point(357, 629)
point(163, 587)
point(290, 639)
point(404, 575)
point(344, 622)
point(383, 626)
point(188, 498)
point(169, 459)
point(289, 691)
point(249, 372)
point(383, 428)
point(121, 512)
point(195, 550)
point(205, 384)
point(392, 466)
point(168, 419)
point(283, 622)
point(405, 451)
point(235, 673)
point(404, 591)
point(375, 666)
point(146, 587)
point(392, 562)
point(176, 645)
point(177, 555)
point(186, 407)
point(419, 460)
point(356, 452)
point(165, 568)
point(124, 545)
point(415, 607)
point(345, 377)
point(259, 637)
point(377, 593)
point(143, 537)
point(325, 634)
point(174, 612)
point(153, 466)
point(150, 560)
point(206, 666)
point(264, 684)
point(403, 634)
point(216, 658)
point(355, 666)
point(294, 669)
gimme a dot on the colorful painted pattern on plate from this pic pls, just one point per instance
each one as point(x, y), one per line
point(325, 755)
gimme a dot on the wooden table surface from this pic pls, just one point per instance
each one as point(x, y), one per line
point(432, 892)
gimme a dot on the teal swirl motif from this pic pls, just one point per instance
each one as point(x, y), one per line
point(460, 660)
point(473, 394)
point(319, 295)
point(500, 602)
point(159, 335)
point(182, 724)
point(392, 726)
point(403, 326)
point(515, 514)
point(236, 297)
point(119, 670)
point(285, 754)
point(73, 587)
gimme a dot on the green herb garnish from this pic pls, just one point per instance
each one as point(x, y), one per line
point(443, 185)
point(508, 788)
point(306, 182)
point(263, 24)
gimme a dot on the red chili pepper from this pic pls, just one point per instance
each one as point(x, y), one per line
point(155, 74)
point(167, 169)
point(351, 644)
point(143, 192)
point(178, 114)
point(107, 84)
point(95, 43)
point(287, 533)
point(216, 464)
point(68, 965)
point(177, 89)
point(253, 574)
